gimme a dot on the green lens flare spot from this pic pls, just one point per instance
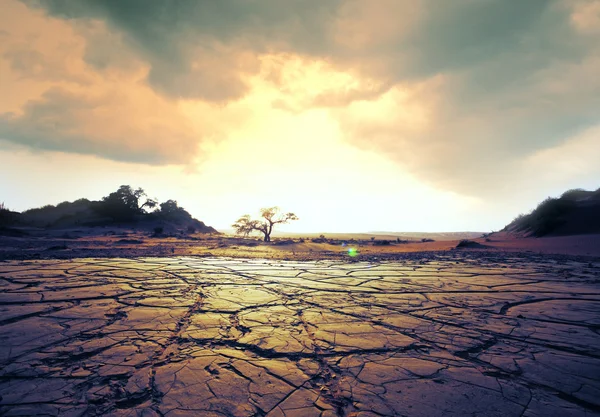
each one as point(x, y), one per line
point(352, 252)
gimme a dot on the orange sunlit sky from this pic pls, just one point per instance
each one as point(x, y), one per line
point(357, 115)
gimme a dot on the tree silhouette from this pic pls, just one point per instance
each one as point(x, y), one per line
point(270, 217)
point(6, 216)
point(171, 210)
point(169, 207)
point(124, 204)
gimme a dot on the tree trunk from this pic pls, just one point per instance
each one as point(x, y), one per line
point(267, 237)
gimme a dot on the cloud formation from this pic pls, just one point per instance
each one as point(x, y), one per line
point(57, 100)
point(111, 124)
point(204, 49)
point(460, 93)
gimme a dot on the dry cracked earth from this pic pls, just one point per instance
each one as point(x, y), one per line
point(443, 335)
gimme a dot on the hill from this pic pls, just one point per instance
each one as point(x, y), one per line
point(125, 207)
point(575, 212)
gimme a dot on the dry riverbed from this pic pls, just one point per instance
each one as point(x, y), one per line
point(461, 333)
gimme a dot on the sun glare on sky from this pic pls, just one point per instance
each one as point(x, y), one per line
point(353, 121)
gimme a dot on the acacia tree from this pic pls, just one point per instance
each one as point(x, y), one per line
point(270, 217)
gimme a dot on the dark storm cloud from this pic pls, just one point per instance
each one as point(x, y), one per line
point(460, 34)
point(517, 78)
point(449, 35)
point(177, 37)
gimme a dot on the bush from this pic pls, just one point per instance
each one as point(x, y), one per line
point(519, 219)
point(284, 242)
point(158, 230)
point(547, 216)
point(129, 242)
point(574, 194)
point(7, 217)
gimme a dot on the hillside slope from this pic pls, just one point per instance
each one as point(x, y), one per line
point(575, 212)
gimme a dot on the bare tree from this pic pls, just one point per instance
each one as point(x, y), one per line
point(270, 217)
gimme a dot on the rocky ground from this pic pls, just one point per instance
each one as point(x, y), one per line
point(453, 334)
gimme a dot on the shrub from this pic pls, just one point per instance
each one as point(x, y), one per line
point(129, 241)
point(574, 194)
point(547, 216)
point(284, 242)
point(519, 219)
point(7, 217)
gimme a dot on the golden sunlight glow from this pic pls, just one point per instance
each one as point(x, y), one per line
point(338, 138)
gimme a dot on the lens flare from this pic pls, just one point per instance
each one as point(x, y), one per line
point(352, 251)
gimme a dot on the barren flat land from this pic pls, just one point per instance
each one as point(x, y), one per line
point(459, 333)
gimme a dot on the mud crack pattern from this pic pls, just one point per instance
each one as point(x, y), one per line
point(451, 336)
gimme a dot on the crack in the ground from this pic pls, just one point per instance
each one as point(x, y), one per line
point(497, 335)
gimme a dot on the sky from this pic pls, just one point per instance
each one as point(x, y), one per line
point(357, 115)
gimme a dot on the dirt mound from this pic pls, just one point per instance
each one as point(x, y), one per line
point(469, 244)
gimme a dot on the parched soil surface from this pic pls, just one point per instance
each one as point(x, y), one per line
point(432, 335)
point(126, 243)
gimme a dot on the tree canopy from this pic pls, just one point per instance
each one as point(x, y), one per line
point(124, 204)
point(171, 210)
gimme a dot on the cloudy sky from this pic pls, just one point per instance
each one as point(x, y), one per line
point(358, 115)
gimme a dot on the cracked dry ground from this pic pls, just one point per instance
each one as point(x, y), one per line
point(460, 334)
